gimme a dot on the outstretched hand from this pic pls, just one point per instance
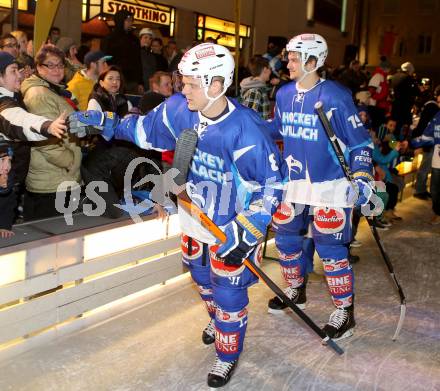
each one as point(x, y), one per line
point(58, 127)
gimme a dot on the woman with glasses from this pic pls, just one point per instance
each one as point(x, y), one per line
point(55, 164)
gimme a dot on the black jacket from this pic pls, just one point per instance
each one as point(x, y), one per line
point(117, 104)
point(125, 48)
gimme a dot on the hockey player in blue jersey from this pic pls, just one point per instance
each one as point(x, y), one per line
point(234, 177)
point(317, 189)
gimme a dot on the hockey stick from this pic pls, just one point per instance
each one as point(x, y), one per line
point(185, 147)
point(348, 174)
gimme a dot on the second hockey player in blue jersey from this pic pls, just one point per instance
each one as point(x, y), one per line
point(317, 189)
point(234, 177)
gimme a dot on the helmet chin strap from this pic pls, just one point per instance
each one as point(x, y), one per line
point(211, 100)
point(305, 73)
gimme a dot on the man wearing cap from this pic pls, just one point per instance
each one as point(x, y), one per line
point(124, 47)
point(149, 64)
point(83, 81)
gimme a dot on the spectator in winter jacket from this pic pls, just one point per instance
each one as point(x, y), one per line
point(107, 93)
point(405, 90)
point(16, 125)
point(429, 110)
point(148, 59)
point(55, 165)
point(380, 105)
point(161, 87)
point(379, 89)
point(431, 136)
point(254, 90)
point(157, 50)
point(173, 55)
point(124, 47)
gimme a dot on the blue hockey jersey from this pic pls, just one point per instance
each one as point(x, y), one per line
point(235, 167)
point(311, 166)
point(431, 136)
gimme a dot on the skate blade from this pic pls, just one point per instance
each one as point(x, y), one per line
point(347, 334)
point(285, 310)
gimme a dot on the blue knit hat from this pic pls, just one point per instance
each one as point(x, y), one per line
point(6, 59)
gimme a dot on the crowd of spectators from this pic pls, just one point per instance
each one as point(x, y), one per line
point(136, 72)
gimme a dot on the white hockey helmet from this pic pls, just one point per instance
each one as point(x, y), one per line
point(206, 61)
point(309, 45)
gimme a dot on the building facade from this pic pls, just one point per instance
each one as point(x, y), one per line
point(260, 21)
point(405, 30)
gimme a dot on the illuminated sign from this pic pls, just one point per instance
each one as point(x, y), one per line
point(22, 4)
point(222, 39)
point(224, 26)
point(223, 31)
point(152, 13)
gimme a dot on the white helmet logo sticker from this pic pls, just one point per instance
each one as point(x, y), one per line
point(205, 52)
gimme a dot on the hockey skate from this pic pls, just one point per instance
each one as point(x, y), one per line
point(297, 295)
point(208, 335)
point(221, 372)
point(341, 323)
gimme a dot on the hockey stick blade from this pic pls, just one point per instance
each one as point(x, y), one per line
point(183, 154)
point(220, 235)
point(263, 276)
point(348, 174)
point(388, 263)
point(393, 277)
point(400, 324)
